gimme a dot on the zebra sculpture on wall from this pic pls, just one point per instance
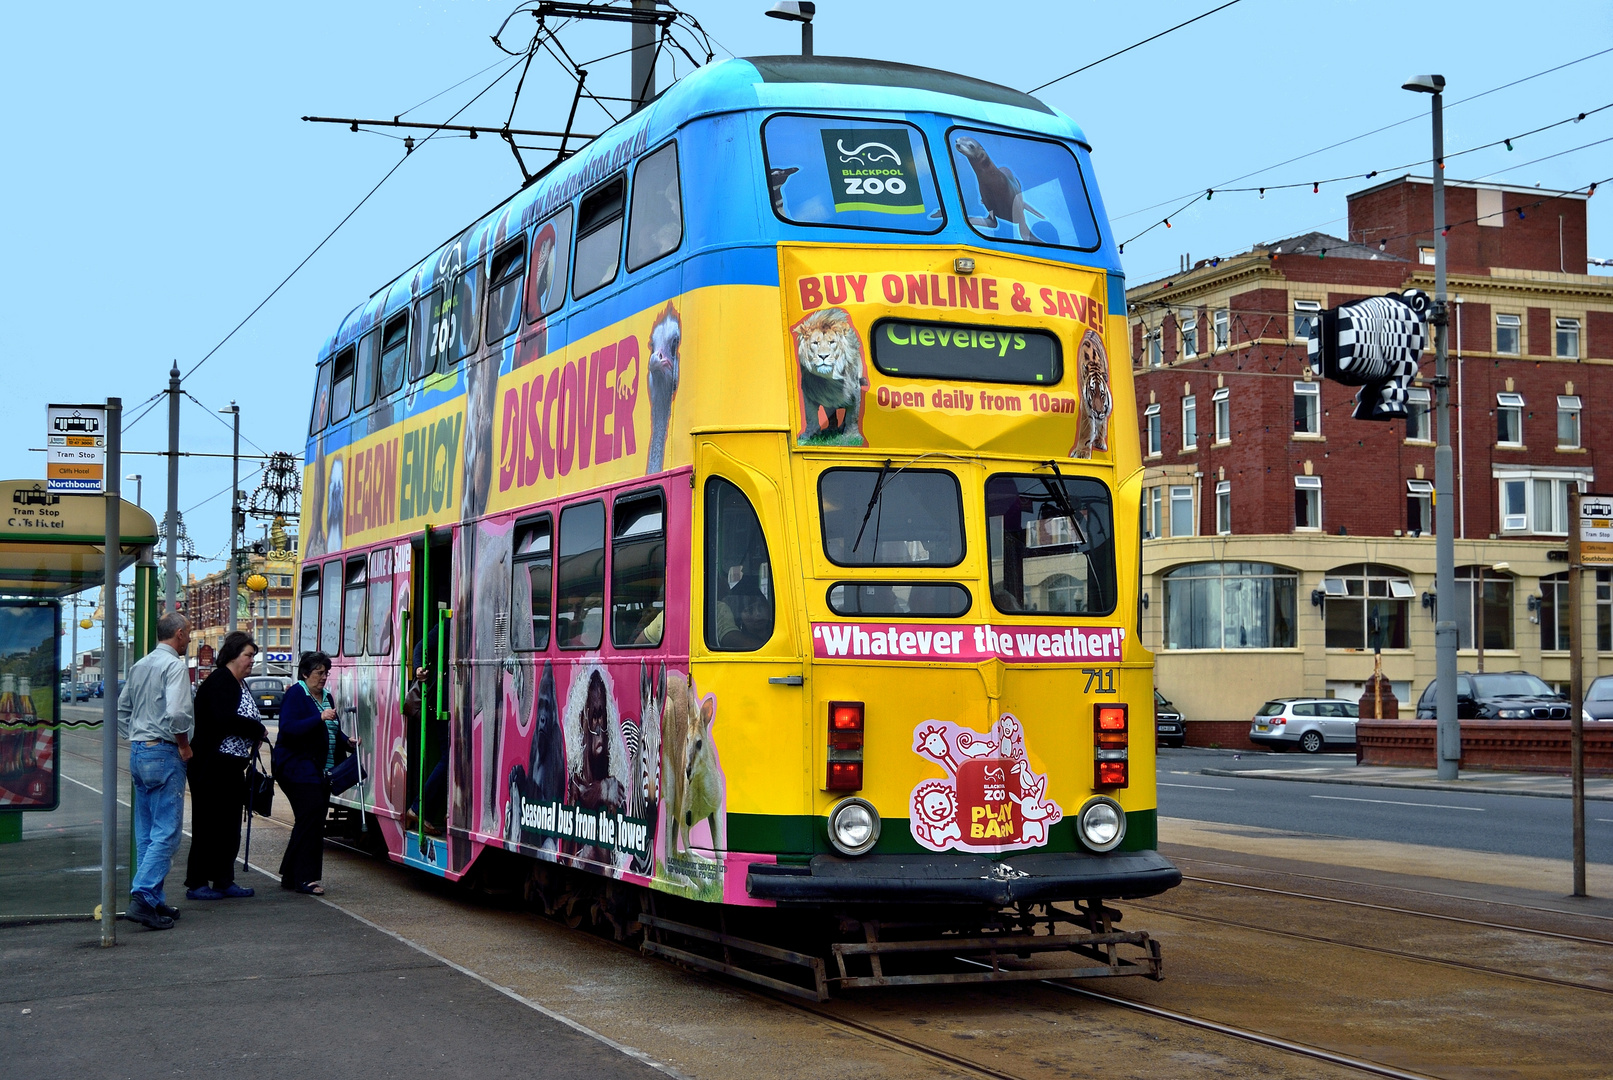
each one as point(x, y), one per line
point(1374, 344)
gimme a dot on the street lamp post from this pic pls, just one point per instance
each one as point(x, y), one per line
point(1448, 729)
point(136, 477)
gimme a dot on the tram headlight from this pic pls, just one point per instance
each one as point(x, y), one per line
point(853, 826)
point(1101, 824)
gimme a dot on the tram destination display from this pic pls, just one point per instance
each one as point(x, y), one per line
point(926, 350)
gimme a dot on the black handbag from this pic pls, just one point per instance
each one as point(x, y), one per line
point(259, 785)
point(345, 774)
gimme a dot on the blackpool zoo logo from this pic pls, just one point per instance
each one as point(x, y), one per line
point(990, 800)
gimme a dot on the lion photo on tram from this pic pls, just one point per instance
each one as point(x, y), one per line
point(829, 353)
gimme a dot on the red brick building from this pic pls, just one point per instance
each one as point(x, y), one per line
point(1253, 462)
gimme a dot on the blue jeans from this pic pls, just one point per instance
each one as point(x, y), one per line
point(159, 815)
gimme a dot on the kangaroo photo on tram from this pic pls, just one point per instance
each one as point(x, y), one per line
point(746, 512)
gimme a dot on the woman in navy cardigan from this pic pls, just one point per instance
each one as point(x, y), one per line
point(311, 743)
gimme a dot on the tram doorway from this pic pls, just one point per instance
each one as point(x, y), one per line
point(430, 669)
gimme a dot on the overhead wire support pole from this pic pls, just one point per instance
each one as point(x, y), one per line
point(1576, 686)
point(235, 516)
point(109, 668)
point(171, 556)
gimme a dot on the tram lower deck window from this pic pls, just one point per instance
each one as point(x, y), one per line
point(891, 517)
point(1051, 545)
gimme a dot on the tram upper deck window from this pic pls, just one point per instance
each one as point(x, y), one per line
point(431, 334)
point(638, 570)
point(859, 174)
point(599, 237)
point(321, 411)
point(464, 319)
point(394, 352)
point(925, 350)
point(739, 587)
point(369, 347)
point(655, 224)
point(580, 621)
point(1023, 189)
point(504, 291)
point(891, 517)
point(551, 256)
point(341, 386)
point(532, 594)
point(1052, 551)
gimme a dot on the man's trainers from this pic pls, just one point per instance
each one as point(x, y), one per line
point(170, 912)
point(141, 911)
point(234, 891)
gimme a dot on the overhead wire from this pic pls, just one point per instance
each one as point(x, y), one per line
point(1135, 45)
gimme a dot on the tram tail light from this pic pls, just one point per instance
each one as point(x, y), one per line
point(1110, 740)
point(845, 771)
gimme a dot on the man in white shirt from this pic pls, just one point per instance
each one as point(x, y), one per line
point(156, 713)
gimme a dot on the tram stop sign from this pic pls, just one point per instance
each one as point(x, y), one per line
point(1595, 530)
point(75, 449)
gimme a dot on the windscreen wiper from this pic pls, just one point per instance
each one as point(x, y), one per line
point(873, 500)
point(1061, 497)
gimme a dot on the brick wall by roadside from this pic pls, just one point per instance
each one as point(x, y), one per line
point(1497, 745)
point(1226, 734)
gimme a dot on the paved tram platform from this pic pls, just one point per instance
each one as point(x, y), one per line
point(1339, 769)
point(280, 985)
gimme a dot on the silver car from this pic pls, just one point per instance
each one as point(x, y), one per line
point(1308, 723)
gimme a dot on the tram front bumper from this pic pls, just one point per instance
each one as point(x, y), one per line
point(1038, 877)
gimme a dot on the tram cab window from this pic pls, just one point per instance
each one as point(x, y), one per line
point(330, 623)
point(464, 320)
point(341, 386)
point(1057, 209)
point(380, 603)
point(655, 225)
point(1052, 551)
point(394, 352)
point(580, 620)
point(532, 593)
point(551, 257)
point(308, 611)
point(638, 570)
point(891, 517)
point(859, 174)
point(599, 237)
point(369, 347)
point(321, 411)
point(504, 291)
point(355, 624)
point(740, 597)
point(431, 330)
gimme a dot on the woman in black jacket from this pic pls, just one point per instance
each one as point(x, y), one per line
point(228, 730)
point(310, 745)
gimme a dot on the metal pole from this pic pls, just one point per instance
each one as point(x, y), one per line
point(109, 666)
point(1576, 690)
point(1448, 728)
point(235, 515)
point(806, 38)
point(1478, 636)
point(171, 559)
point(72, 667)
point(643, 57)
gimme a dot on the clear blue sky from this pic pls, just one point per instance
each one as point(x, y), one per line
point(158, 182)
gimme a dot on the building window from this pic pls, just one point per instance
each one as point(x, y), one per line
point(1367, 607)
point(1307, 408)
point(1535, 503)
point(1230, 606)
point(1509, 419)
point(1182, 512)
point(1417, 415)
point(1223, 508)
point(1568, 339)
point(1190, 422)
point(1151, 414)
point(1223, 328)
point(1604, 611)
point(1425, 256)
point(1419, 507)
point(1223, 414)
point(1189, 325)
point(1496, 615)
point(1306, 315)
point(1568, 422)
point(1307, 502)
point(1156, 513)
point(1508, 331)
point(1156, 350)
point(1554, 607)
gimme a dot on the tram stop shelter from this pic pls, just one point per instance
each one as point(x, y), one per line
point(51, 822)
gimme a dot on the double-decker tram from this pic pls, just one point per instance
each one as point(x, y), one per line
point(757, 493)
